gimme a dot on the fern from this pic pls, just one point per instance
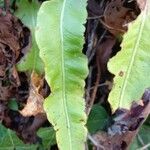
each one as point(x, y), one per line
point(131, 66)
point(60, 38)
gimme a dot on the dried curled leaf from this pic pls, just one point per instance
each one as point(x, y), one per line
point(35, 100)
point(125, 125)
point(14, 41)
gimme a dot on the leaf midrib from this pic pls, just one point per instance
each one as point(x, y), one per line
point(122, 93)
point(63, 75)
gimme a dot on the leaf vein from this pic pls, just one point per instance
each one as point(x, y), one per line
point(133, 56)
point(63, 74)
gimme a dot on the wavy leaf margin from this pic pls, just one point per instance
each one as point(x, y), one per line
point(60, 38)
point(131, 65)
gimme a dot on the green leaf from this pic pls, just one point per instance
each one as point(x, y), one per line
point(142, 138)
point(48, 137)
point(27, 12)
point(12, 104)
point(1, 3)
point(97, 119)
point(60, 38)
point(9, 140)
point(131, 65)
point(148, 120)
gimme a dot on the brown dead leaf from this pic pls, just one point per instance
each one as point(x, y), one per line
point(35, 100)
point(13, 76)
point(13, 35)
point(2, 63)
point(125, 125)
point(6, 92)
point(14, 43)
point(25, 127)
point(117, 16)
point(103, 53)
point(14, 38)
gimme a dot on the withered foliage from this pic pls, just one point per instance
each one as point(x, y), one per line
point(107, 20)
point(125, 125)
point(15, 40)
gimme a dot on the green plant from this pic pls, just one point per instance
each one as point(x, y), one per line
point(59, 84)
point(131, 65)
point(65, 68)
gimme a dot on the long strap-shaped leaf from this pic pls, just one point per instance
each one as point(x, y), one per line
point(60, 38)
point(131, 66)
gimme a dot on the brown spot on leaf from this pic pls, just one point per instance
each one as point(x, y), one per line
point(121, 73)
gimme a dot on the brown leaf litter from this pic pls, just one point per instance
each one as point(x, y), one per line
point(125, 125)
point(35, 100)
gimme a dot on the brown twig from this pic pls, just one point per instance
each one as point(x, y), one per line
point(91, 39)
point(92, 99)
point(100, 85)
point(7, 5)
point(95, 17)
point(89, 82)
point(95, 143)
point(112, 28)
point(94, 49)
